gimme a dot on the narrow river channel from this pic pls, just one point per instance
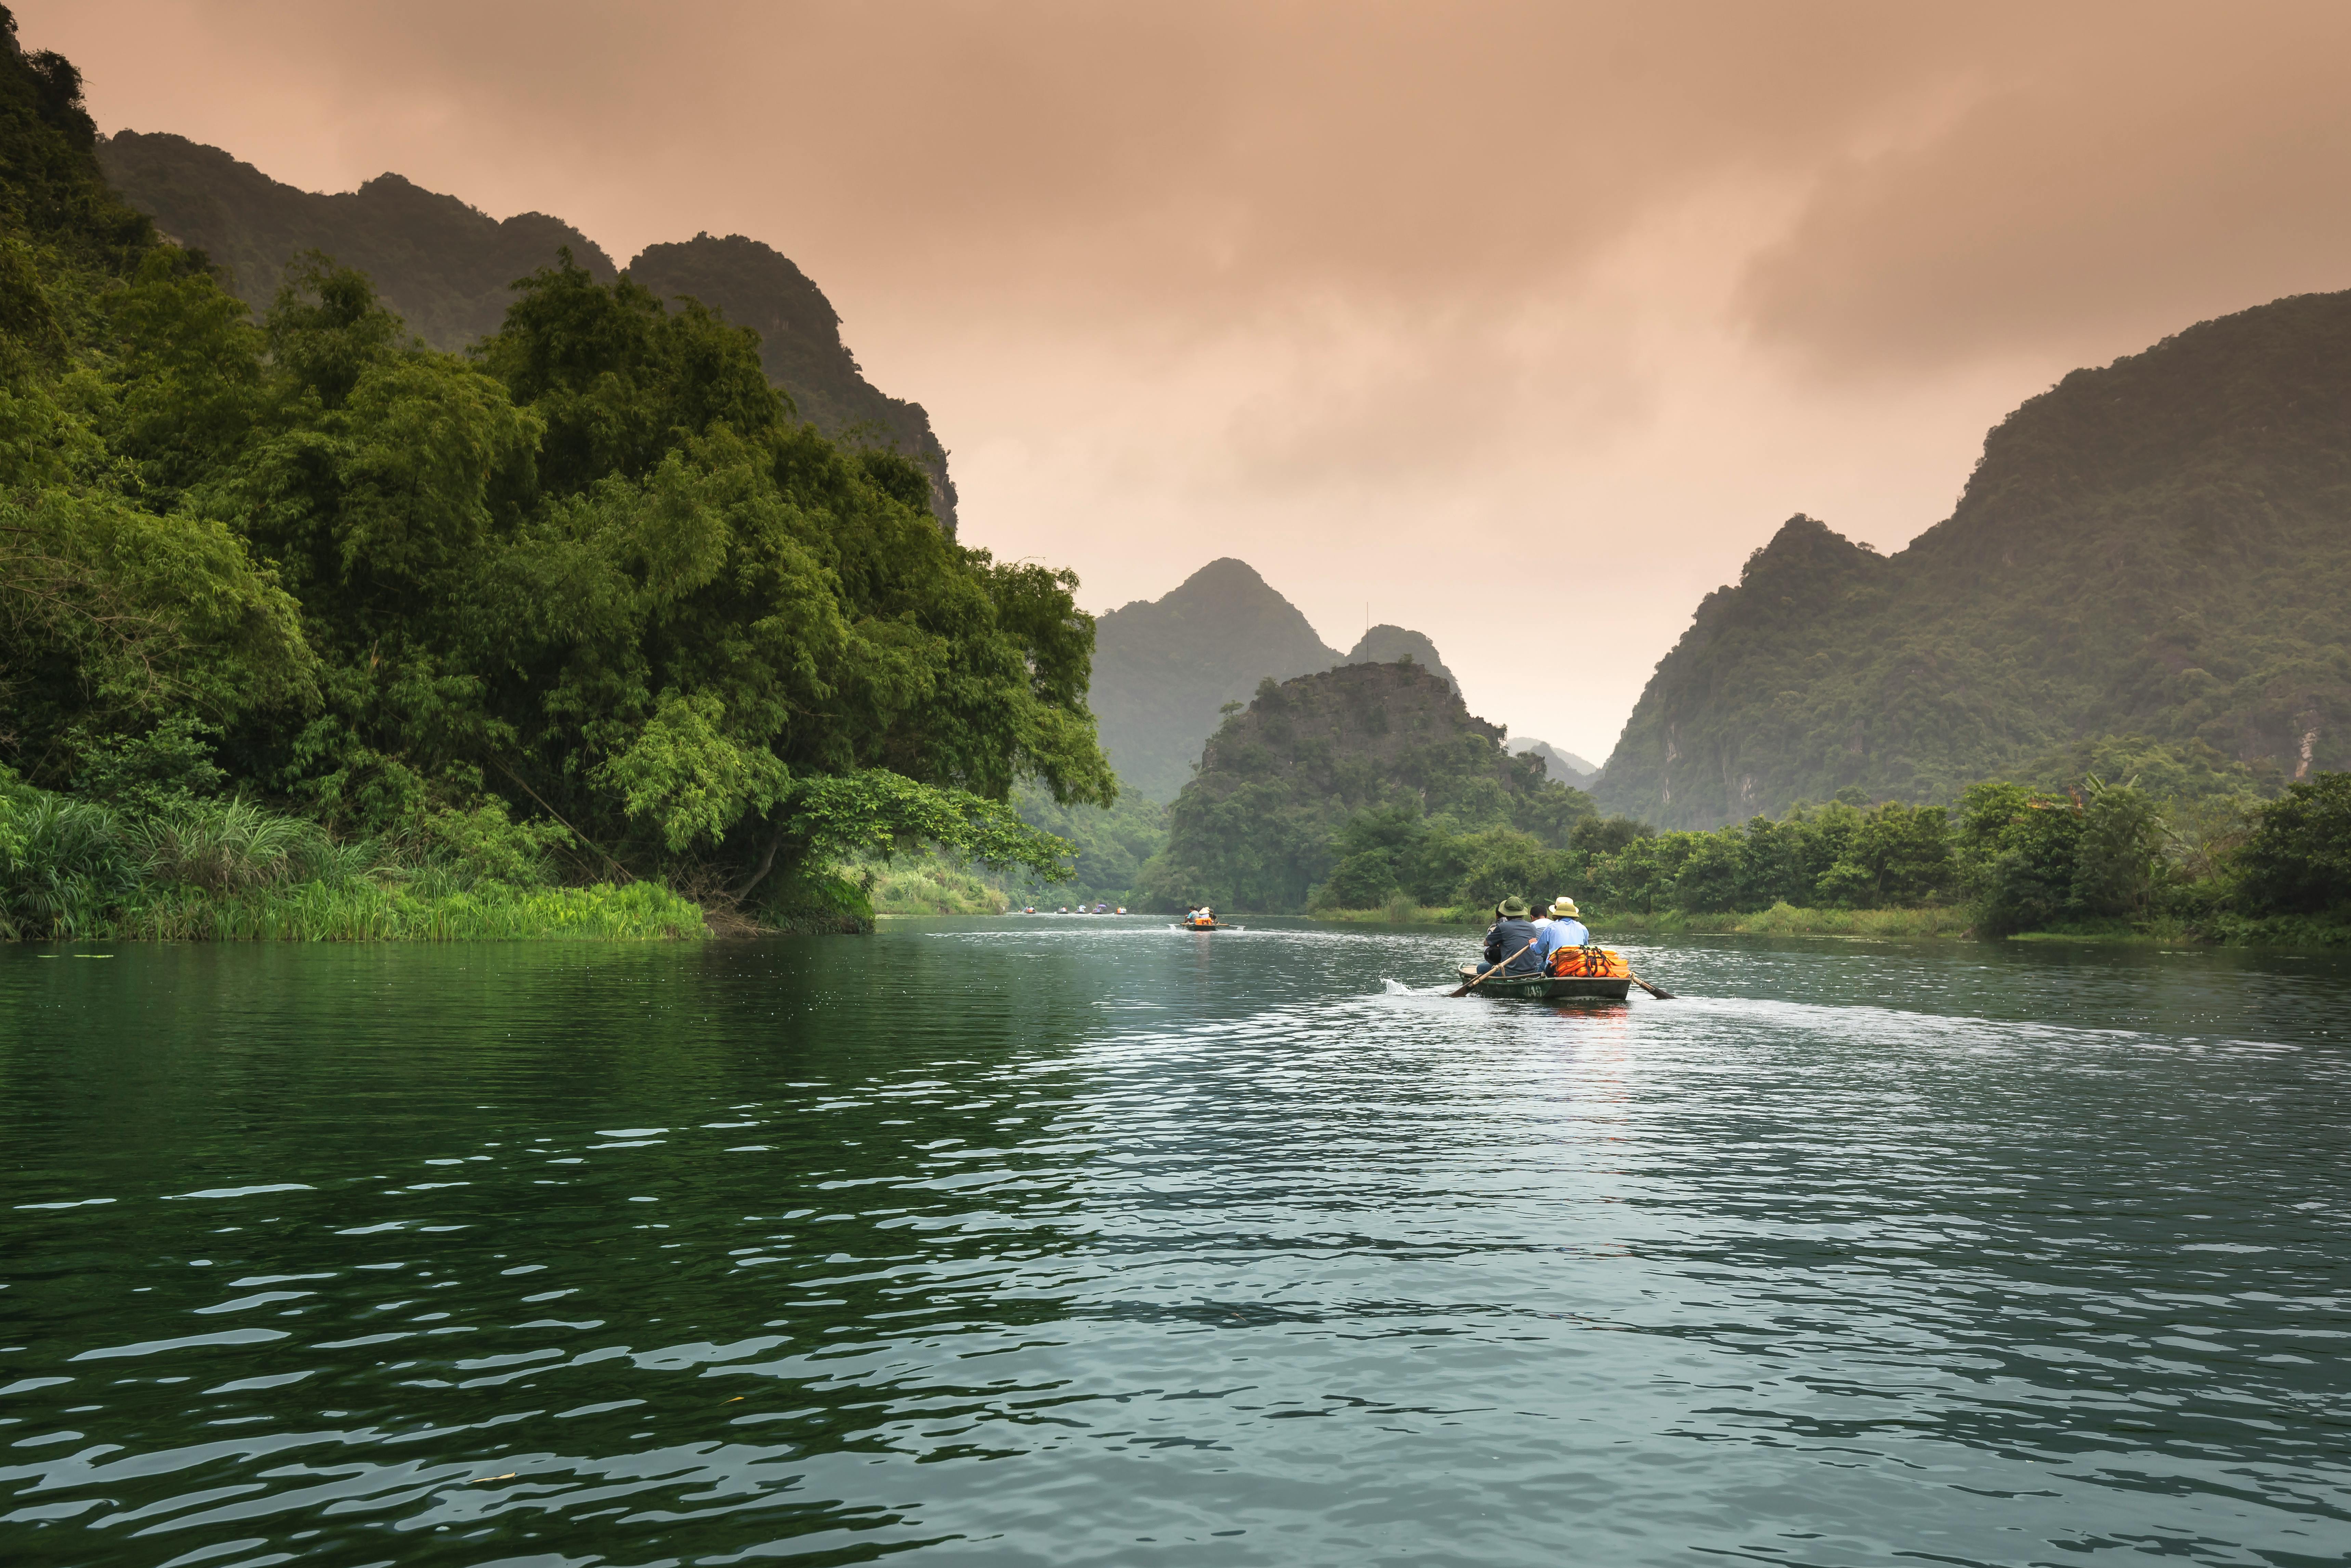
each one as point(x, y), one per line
point(1063, 1240)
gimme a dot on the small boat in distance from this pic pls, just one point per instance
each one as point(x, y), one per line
point(1203, 919)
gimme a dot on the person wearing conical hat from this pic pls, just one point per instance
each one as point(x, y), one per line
point(1565, 930)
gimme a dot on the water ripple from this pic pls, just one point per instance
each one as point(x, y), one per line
point(1096, 1242)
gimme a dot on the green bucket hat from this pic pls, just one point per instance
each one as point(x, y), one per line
point(1514, 909)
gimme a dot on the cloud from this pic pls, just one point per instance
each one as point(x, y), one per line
point(2113, 177)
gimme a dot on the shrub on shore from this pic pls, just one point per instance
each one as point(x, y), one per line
point(227, 870)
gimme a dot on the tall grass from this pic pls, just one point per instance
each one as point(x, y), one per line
point(229, 871)
point(362, 911)
point(930, 886)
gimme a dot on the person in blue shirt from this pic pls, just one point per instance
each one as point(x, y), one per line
point(1513, 937)
point(1563, 929)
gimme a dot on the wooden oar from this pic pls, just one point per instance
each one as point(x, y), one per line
point(1489, 974)
point(1659, 992)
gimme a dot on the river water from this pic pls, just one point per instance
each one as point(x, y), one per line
point(1089, 1241)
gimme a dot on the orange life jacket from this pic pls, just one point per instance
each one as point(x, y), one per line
point(1591, 964)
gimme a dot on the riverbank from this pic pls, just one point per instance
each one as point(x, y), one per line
point(1781, 920)
point(1935, 923)
point(366, 911)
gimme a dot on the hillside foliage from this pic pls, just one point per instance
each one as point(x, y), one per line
point(592, 576)
point(1165, 670)
point(2161, 547)
point(1348, 786)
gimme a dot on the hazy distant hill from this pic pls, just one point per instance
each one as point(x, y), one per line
point(1564, 766)
point(1164, 667)
point(446, 267)
point(1388, 645)
point(2161, 547)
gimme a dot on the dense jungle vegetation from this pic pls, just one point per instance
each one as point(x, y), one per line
point(2161, 547)
point(1347, 791)
point(299, 610)
point(1341, 787)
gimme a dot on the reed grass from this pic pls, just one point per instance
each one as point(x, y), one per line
point(364, 911)
point(922, 886)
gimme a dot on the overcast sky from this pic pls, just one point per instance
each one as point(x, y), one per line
point(1520, 325)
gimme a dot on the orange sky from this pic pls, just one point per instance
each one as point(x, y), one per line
point(1521, 324)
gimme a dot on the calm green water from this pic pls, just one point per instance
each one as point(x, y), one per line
point(1085, 1241)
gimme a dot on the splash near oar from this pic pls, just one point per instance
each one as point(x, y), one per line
point(1466, 985)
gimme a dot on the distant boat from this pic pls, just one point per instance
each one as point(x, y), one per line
point(1121, 909)
point(1205, 926)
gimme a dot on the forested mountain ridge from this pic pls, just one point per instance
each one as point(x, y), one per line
point(445, 268)
point(1374, 776)
point(1165, 668)
point(2161, 547)
point(448, 269)
point(757, 286)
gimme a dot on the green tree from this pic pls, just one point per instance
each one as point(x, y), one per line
point(2297, 859)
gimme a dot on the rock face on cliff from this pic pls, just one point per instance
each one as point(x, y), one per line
point(446, 269)
point(2160, 548)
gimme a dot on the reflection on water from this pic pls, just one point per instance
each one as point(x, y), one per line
point(1090, 1241)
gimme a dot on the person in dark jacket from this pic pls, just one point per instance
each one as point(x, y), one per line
point(1510, 932)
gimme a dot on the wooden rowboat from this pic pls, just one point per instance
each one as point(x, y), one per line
point(1546, 987)
point(1209, 925)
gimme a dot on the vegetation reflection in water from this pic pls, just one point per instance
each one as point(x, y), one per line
point(1091, 1241)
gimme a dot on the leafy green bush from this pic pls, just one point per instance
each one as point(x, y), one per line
point(224, 846)
point(2297, 860)
point(483, 844)
point(64, 866)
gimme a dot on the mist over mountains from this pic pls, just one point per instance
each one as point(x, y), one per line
point(446, 268)
point(2160, 548)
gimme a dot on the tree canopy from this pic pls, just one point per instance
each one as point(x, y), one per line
point(594, 570)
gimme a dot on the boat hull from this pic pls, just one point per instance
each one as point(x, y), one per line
point(1550, 987)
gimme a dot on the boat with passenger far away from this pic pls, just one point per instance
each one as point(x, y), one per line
point(1204, 919)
